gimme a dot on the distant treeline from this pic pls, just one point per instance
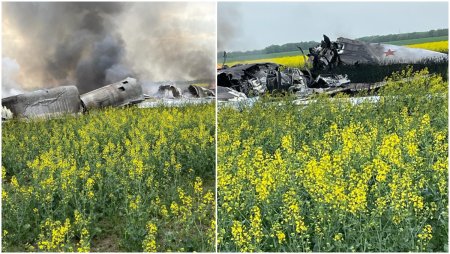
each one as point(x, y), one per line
point(405, 36)
point(289, 47)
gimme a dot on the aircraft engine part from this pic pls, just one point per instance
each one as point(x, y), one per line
point(200, 92)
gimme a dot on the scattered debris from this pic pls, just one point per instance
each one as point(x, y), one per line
point(171, 91)
point(256, 79)
point(169, 95)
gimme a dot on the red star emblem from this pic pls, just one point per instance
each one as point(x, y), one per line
point(389, 52)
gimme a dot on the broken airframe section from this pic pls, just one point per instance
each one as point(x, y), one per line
point(67, 100)
point(119, 94)
point(255, 79)
point(330, 54)
point(171, 95)
point(243, 81)
point(46, 102)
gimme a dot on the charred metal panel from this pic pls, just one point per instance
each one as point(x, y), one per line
point(122, 93)
point(251, 79)
point(255, 79)
point(46, 102)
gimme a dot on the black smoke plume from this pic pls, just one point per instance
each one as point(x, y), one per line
point(92, 44)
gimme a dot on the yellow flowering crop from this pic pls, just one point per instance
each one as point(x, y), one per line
point(332, 176)
point(290, 61)
point(128, 176)
point(440, 46)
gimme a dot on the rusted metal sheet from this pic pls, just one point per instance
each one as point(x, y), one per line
point(122, 93)
point(46, 102)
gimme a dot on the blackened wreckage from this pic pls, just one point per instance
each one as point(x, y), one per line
point(66, 99)
point(250, 80)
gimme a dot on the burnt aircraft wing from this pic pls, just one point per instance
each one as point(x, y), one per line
point(43, 103)
point(122, 93)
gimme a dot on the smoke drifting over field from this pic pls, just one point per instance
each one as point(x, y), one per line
point(93, 44)
point(228, 22)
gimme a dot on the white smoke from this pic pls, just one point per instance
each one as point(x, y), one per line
point(10, 74)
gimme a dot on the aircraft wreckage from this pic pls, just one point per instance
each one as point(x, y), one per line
point(66, 99)
point(330, 54)
point(249, 80)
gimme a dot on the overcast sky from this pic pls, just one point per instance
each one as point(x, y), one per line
point(253, 25)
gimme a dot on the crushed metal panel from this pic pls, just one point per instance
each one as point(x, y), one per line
point(255, 79)
point(248, 78)
point(122, 93)
point(46, 102)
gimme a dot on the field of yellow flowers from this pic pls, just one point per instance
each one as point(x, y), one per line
point(112, 180)
point(439, 46)
point(330, 176)
point(292, 61)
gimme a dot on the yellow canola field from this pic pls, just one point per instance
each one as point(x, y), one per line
point(125, 179)
point(333, 177)
point(439, 46)
point(293, 61)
